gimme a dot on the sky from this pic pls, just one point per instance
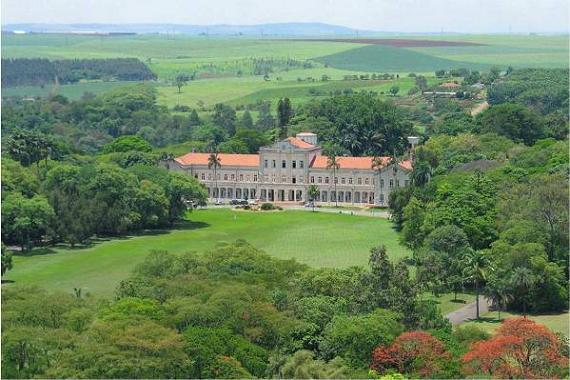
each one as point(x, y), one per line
point(468, 16)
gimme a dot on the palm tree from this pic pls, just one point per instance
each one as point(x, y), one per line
point(214, 163)
point(497, 290)
point(475, 268)
point(313, 192)
point(522, 280)
point(332, 163)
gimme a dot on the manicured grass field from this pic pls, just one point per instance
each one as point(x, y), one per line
point(556, 322)
point(316, 239)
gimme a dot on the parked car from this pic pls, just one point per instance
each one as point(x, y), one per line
point(243, 202)
point(235, 202)
point(252, 202)
point(219, 202)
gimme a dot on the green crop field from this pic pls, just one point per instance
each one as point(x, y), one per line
point(217, 62)
point(71, 91)
point(379, 58)
point(316, 239)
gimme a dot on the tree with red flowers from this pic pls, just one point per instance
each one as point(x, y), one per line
point(413, 353)
point(520, 348)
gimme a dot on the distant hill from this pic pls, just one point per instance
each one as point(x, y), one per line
point(290, 29)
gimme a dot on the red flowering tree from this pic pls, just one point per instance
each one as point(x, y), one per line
point(413, 352)
point(520, 348)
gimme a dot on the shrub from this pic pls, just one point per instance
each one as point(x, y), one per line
point(268, 206)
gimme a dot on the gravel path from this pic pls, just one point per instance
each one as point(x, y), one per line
point(468, 311)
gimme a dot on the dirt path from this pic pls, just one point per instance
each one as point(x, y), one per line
point(468, 311)
point(479, 108)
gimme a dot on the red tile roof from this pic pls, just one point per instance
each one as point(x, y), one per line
point(299, 143)
point(226, 159)
point(320, 162)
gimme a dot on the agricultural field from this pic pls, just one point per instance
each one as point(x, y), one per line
point(72, 91)
point(231, 70)
point(316, 239)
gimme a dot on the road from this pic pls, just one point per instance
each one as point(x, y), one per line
point(360, 212)
point(468, 311)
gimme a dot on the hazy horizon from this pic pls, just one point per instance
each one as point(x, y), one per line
point(405, 16)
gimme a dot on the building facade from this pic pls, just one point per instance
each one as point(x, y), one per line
point(284, 171)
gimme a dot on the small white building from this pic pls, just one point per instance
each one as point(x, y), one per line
point(284, 171)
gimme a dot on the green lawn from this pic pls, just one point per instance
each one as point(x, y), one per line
point(447, 302)
point(317, 239)
point(556, 322)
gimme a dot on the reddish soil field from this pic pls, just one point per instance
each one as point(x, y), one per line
point(395, 42)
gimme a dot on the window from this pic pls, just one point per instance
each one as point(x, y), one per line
point(397, 183)
point(343, 180)
point(255, 178)
point(381, 183)
point(366, 181)
point(395, 170)
point(203, 176)
point(320, 180)
point(248, 178)
point(294, 164)
point(293, 180)
point(225, 177)
point(233, 177)
point(241, 177)
point(335, 180)
point(359, 181)
point(391, 183)
point(273, 164)
point(326, 179)
point(301, 164)
point(350, 181)
point(312, 179)
point(265, 163)
point(283, 164)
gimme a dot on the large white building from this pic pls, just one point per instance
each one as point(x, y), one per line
point(284, 171)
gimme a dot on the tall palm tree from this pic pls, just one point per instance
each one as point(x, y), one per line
point(522, 280)
point(332, 163)
point(476, 265)
point(214, 163)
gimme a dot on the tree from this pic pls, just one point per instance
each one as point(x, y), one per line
point(25, 220)
point(302, 365)
point(127, 144)
point(214, 163)
point(6, 260)
point(181, 80)
point(225, 117)
point(284, 112)
point(514, 121)
point(333, 163)
point(521, 348)
point(354, 337)
point(246, 120)
point(421, 82)
point(497, 290)
point(394, 90)
point(522, 280)
point(476, 266)
point(313, 192)
point(415, 353)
